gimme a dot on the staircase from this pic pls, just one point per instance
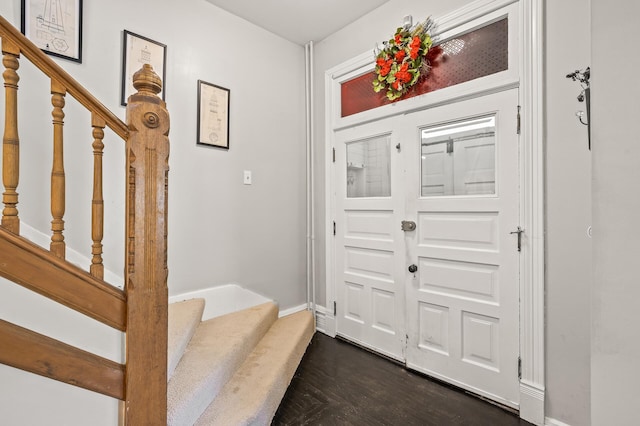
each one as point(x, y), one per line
point(233, 369)
point(178, 369)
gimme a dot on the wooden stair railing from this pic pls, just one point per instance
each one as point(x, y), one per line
point(141, 309)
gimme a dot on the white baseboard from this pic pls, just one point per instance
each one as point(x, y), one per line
point(325, 321)
point(222, 299)
point(321, 319)
point(548, 421)
point(532, 404)
point(285, 312)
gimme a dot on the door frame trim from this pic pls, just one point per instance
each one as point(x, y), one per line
point(527, 75)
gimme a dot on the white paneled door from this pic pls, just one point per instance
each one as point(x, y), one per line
point(442, 294)
point(370, 301)
point(462, 301)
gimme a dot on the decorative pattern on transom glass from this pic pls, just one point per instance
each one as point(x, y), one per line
point(476, 54)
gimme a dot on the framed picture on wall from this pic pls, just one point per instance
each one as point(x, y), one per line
point(55, 26)
point(213, 115)
point(137, 51)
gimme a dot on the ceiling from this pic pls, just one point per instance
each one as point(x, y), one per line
point(300, 21)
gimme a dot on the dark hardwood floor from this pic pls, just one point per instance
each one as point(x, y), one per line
point(340, 384)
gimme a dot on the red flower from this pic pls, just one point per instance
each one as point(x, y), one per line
point(400, 55)
point(398, 39)
point(403, 75)
point(384, 71)
point(415, 45)
point(380, 62)
point(396, 85)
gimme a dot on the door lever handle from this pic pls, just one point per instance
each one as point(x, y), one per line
point(518, 231)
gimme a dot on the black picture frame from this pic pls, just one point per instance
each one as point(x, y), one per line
point(213, 115)
point(56, 30)
point(136, 51)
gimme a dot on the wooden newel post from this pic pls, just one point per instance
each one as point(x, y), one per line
point(146, 252)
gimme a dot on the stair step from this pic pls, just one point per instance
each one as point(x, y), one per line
point(218, 347)
point(184, 318)
point(253, 394)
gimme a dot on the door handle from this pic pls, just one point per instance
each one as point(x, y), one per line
point(518, 231)
point(413, 268)
point(408, 225)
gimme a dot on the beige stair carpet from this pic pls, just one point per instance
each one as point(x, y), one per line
point(184, 318)
point(218, 347)
point(253, 394)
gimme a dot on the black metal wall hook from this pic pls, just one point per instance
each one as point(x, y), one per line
point(583, 77)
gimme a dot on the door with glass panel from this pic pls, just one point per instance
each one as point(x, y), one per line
point(369, 243)
point(462, 273)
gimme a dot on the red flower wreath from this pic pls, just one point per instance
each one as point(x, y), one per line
point(401, 61)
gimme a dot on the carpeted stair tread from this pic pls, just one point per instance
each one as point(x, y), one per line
point(253, 394)
point(218, 347)
point(184, 318)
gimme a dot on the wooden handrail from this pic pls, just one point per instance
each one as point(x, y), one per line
point(53, 70)
point(34, 268)
point(33, 352)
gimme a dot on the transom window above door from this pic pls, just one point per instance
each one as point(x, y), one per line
point(481, 52)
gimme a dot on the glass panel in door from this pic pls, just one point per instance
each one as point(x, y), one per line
point(459, 158)
point(369, 168)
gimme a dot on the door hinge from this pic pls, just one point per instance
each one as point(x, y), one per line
point(519, 368)
point(335, 310)
point(334, 155)
point(334, 227)
point(517, 122)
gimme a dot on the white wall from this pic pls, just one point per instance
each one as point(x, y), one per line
point(615, 347)
point(220, 230)
point(568, 214)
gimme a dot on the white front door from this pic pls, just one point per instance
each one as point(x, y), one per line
point(453, 171)
point(462, 192)
point(369, 242)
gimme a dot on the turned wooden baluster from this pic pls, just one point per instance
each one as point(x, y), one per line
point(57, 247)
point(10, 141)
point(146, 271)
point(97, 204)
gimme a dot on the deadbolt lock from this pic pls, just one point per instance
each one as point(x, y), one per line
point(408, 225)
